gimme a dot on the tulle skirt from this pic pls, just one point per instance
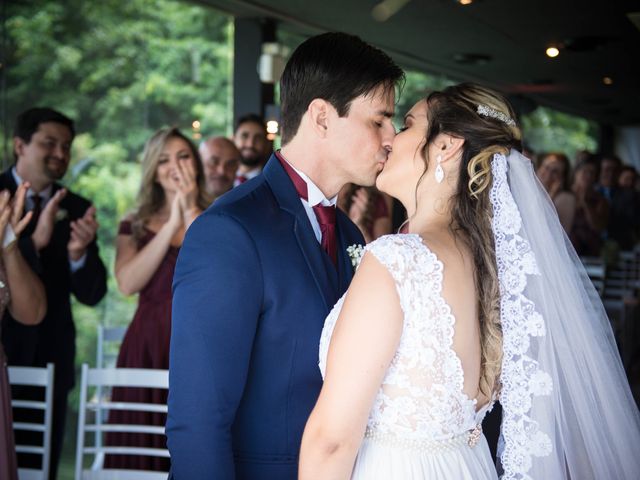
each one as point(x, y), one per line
point(380, 459)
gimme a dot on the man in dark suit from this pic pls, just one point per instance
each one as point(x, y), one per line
point(260, 270)
point(60, 245)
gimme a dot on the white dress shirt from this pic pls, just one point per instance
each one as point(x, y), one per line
point(316, 197)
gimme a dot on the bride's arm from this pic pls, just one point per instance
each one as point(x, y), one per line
point(364, 341)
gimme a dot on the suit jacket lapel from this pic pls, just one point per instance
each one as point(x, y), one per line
point(9, 181)
point(289, 201)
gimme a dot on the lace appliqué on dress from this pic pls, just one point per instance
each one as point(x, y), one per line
point(421, 396)
point(521, 377)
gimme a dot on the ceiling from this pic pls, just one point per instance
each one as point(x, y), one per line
point(503, 41)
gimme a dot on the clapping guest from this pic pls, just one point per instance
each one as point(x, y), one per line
point(367, 208)
point(60, 244)
point(554, 173)
point(22, 292)
point(592, 209)
point(171, 196)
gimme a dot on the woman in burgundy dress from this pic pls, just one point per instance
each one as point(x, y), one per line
point(23, 293)
point(368, 208)
point(170, 198)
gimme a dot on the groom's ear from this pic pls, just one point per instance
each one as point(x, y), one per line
point(319, 111)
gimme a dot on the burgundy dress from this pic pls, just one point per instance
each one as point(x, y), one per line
point(145, 345)
point(8, 464)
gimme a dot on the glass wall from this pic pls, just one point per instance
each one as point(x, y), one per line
point(121, 70)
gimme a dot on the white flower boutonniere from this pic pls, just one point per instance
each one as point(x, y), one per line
point(355, 253)
point(61, 214)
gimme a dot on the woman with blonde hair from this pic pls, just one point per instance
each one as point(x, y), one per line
point(171, 197)
point(483, 298)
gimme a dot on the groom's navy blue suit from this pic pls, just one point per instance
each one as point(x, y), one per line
point(252, 288)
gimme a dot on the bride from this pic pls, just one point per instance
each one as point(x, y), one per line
point(483, 299)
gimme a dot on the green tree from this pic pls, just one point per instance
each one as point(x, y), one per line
point(547, 130)
point(121, 69)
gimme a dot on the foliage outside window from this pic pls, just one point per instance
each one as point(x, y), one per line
point(547, 130)
point(121, 70)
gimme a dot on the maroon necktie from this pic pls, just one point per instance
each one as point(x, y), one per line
point(37, 207)
point(326, 215)
point(241, 179)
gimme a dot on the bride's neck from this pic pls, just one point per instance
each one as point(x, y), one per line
point(430, 214)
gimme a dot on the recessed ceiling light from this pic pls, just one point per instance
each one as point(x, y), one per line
point(552, 52)
point(465, 2)
point(607, 81)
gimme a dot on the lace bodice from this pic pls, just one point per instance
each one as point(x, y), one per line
point(421, 396)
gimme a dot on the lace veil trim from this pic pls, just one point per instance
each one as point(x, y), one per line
point(522, 379)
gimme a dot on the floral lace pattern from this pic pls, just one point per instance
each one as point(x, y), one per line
point(421, 396)
point(521, 377)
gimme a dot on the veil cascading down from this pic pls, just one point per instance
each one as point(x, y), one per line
point(568, 412)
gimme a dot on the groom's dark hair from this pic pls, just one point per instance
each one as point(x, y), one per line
point(336, 67)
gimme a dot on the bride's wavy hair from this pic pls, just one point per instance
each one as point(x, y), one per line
point(454, 111)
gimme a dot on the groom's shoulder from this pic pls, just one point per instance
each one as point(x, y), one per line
point(246, 201)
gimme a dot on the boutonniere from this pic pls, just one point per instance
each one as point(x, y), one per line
point(355, 253)
point(61, 214)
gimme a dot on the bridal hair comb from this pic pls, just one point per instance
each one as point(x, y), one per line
point(487, 111)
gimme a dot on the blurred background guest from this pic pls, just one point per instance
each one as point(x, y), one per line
point(554, 172)
point(624, 213)
point(368, 208)
point(628, 178)
point(250, 136)
point(22, 292)
point(610, 166)
point(592, 210)
point(171, 196)
point(220, 161)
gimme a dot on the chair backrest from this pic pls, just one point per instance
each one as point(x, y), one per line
point(108, 345)
point(102, 379)
point(109, 340)
point(597, 270)
point(35, 377)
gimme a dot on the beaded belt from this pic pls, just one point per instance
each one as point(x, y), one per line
point(469, 438)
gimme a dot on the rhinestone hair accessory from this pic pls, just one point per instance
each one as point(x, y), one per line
point(487, 111)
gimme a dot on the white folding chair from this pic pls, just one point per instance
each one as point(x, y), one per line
point(109, 340)
point(35, 377)
point(117, 377)
point(596, 269)
point(108, 345)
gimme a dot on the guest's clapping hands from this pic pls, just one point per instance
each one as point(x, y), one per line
point(44, 229)
point(19, 222)
point(555, 187)
point(186, 192)
point(11, 211)
point(83, 232)
point(5, 213)
point(359, 206)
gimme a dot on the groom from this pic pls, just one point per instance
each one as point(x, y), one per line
point(260, 270)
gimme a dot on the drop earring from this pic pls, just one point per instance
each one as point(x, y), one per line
point(439, 170)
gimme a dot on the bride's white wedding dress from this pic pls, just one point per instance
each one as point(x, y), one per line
point(422, 425)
